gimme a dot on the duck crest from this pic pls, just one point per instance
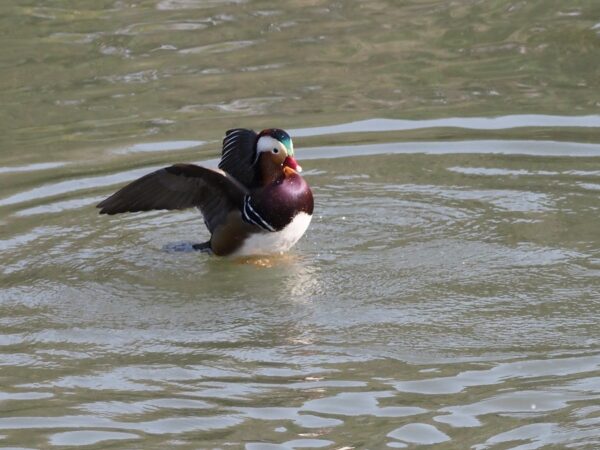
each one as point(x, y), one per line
point(280, 135)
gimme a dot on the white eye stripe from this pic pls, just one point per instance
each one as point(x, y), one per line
point(267, 144)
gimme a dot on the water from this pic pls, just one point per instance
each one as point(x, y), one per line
point(445, 296)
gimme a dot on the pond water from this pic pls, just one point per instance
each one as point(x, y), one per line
point(446, 294)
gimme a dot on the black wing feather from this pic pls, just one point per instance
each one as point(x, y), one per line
point(178, 187)
point(239, 154)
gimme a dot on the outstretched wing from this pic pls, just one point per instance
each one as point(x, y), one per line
point(239, 154)
point(178, 187)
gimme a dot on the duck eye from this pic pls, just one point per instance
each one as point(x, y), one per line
point(275, 150)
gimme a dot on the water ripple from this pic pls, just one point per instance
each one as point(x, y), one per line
point(470, 123)
point(455, 313)
point(498, 374)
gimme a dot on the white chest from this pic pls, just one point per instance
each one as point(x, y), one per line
point(277, 241)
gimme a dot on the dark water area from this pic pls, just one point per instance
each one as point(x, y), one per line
point(445, 296)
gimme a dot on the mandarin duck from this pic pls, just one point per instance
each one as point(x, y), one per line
point(255, 203)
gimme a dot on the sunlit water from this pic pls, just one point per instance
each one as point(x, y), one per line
point(445, 296)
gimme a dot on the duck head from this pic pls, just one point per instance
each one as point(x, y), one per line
point(275, 155)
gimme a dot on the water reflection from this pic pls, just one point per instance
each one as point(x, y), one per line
point(434, 317)
point(32, 167)
point(470, 123)
point(534, 148)
point(79, 438)
point(419, 433)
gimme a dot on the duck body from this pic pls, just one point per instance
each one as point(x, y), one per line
point(283, 210)
point(258, 203)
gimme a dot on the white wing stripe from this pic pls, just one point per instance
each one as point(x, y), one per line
point(250, 215)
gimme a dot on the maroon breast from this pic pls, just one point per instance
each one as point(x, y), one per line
point(279, 202)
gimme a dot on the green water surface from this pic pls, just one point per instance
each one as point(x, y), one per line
point(446, 294)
